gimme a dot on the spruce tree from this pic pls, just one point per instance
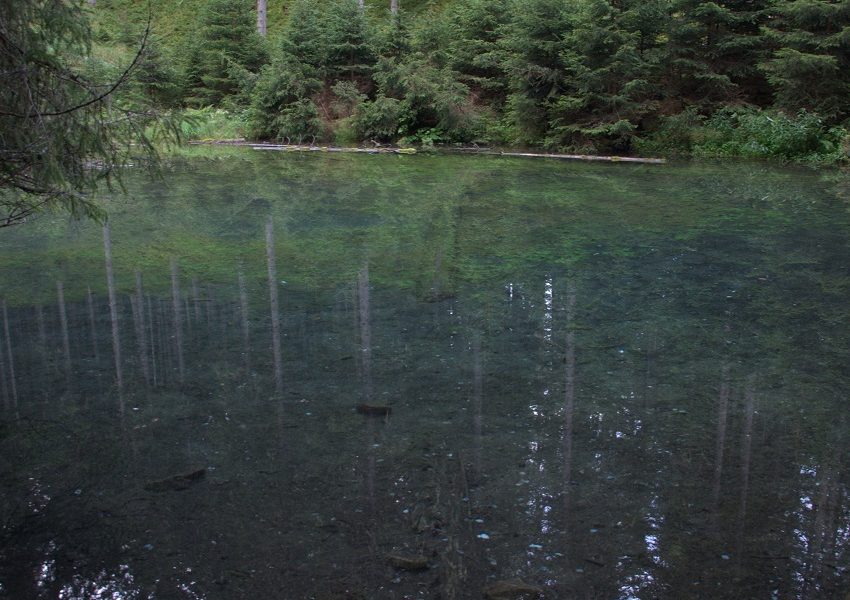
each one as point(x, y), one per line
point(63, 133)
point(350, 56)
point(810, 68)
point(225, 53)
point(579, 78)
point(606, 87)
point(154, 78)
point(320, 45)
point(713, 53)
point(533, 60)
point(473, 46)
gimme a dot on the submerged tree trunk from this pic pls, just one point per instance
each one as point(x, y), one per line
point(365, 331)
point(138, 304)
point(178, 319)
point(42, 342)
point(273, 306)
point(261, 17)
point(477, 400)
point(63, 321)
point(113, 313)
point(11, 357)
point(246, 328)
point(92, 326)
point(746, 458)
point(3, 385)
point(722, 414)
point(152, 336)
point(196, 299)
point(569, 394)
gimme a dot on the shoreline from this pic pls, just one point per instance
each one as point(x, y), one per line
point(265, 146)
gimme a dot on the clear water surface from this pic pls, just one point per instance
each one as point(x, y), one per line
point(606, 380)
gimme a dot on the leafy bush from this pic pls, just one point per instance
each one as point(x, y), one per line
point(674, 135)
point(755, 133)
point(299, 121)
point(425, 137)
point(347, 98)
point(377, 120)
point(212, 124)
point(279, 86)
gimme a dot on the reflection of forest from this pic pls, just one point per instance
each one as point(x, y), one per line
point(579, 399)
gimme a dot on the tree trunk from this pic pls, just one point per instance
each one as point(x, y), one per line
point(141, 330)
point(273, 305)
point(113, 315)
point(63, 321)
point(394, 7)
point(246, 326)
point(261, 17)
point(178, 318)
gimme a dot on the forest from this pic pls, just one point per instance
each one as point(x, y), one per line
point(744, 78)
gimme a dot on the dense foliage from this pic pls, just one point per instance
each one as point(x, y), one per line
point(68, 121)
point(737, 77)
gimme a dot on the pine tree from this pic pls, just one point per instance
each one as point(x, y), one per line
point(350, 56)
point(532, 45)
point(417, 88)
point(606, 86)
point(473, 46)
point(579, 78)
point(321, 45)
point(713, 53)
point(56, 121)
point(225, 54)
point(154, 78)
point(810, 68)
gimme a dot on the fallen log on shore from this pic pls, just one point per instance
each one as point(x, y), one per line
point(396, 150)
point(592, 157)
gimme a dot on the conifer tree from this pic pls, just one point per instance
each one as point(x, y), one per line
point(713, 51)
point(533, 46)
point(56, 121)
point(225, 54)
point(473, 46)
point(154, 78)
point(321, 45)
point(810, 68)
point(350, 56)
point(606, 85)
point(579, 78)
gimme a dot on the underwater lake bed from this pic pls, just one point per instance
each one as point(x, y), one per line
point(343, 376)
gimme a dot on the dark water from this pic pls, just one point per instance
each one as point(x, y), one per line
point(608, 381)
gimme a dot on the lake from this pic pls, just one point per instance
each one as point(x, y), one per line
point(342, 376)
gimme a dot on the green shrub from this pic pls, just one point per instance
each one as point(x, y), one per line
point(347, 97)
point(344, 133)
point(675, 135)
point(212, 124)
point(298, 122)
point(749, 133)
point(377, 120)
point(770, 134)
point(425, 137)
